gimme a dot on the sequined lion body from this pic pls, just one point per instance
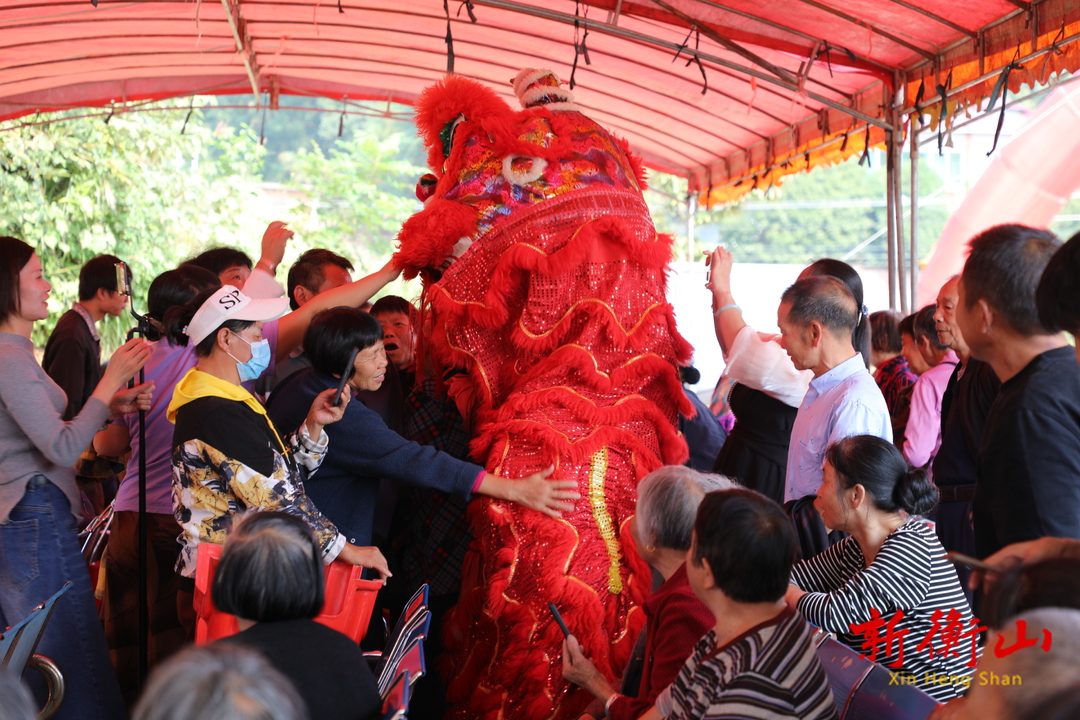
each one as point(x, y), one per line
point(545, 280)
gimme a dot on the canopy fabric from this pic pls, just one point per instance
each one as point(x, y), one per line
point(791, 84)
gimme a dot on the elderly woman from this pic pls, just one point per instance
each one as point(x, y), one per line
point(363, 449)
point(270, 576)
point(668, 501)
point(227, 456)
point(891, 572)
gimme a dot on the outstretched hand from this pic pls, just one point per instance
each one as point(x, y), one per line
point(541, 493)
point(368, 557)
point(132, 399)
point(126, 361)
point(274, 239)
point(578, 669)
point(390, 270)
point(719, 262)
point(1032, 551)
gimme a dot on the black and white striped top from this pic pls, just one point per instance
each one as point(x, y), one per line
point(769, 673)
point(910, 573)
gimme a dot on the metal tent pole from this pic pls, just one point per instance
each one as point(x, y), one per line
point(914, 156)
point(898, 208)
point(890, 213)
point(691, 213)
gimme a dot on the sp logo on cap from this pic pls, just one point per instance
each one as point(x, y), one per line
point(229, 300)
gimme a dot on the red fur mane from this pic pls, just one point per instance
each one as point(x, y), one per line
point(445, 100)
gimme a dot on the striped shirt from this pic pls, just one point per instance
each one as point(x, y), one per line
point(769, 672)
point(909, 574)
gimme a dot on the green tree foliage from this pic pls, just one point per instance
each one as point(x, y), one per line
point(133, 187)
point(137, 188)
point(355, 196)
point(827, 212)
point(286, 132)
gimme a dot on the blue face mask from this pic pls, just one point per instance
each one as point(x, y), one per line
point(256, 366)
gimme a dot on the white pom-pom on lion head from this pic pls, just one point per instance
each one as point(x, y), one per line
point(542, 88)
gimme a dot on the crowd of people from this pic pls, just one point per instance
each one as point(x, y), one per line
point(300, 425)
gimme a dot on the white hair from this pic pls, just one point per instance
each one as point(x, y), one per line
point(668, 500)
point(219, 682)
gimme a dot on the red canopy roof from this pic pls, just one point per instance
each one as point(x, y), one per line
point(785, 78)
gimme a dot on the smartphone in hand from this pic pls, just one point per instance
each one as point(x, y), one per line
point(961, 559)
point(345, 375)
point(558, 619)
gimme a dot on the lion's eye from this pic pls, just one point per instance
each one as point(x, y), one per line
point(446, 135)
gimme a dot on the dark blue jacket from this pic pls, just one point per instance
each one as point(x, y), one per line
point(362, 450)
point(704, 434)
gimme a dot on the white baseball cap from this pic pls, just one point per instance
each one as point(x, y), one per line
point(228, 303)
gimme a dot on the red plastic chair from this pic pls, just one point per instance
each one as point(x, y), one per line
point(349, 600)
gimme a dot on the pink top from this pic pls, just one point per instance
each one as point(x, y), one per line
point(922, 438)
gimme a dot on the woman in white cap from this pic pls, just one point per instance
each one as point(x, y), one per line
point(227, 454)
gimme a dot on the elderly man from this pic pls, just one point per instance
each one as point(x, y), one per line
point(964, 407)
point(816, 317)
point(1029, 458)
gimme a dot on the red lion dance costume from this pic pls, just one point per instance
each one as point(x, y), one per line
point(545, 280)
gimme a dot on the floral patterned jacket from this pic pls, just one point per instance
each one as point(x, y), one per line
point(227, 459)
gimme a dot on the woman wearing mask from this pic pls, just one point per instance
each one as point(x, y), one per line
point(170, 360)
point(227, 456)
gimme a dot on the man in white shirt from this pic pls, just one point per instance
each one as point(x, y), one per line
point(816, 318)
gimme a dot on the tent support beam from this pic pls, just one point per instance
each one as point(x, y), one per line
point(914, 205)
point(746, 54)
point(897, 148)
point(890, 219)
point(691, 213)
point(657, 42)
point(936, 18)
point(243, 44)
point(785, 28)
point(732, 46)
point(872, 28)
point(930, 102)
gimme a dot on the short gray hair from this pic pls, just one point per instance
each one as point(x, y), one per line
point(668, 500)
point(1042, 673)
point(219, 682)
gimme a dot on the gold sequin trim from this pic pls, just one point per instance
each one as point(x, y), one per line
point(601, 303)
point(597, 472)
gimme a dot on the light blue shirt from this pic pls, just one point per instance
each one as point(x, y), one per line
point(843, 402)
